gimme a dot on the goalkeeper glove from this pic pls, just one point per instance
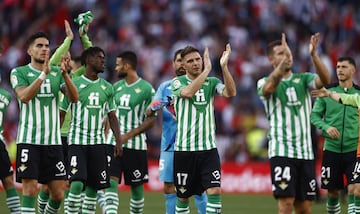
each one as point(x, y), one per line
point(84, 19)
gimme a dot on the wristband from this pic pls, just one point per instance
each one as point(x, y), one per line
point(42, 76)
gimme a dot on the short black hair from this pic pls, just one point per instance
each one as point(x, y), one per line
point(35, 36)
point(129, 57)
point(176, 53)
point(349, 59)
point(188, 49)
point(270, 47)
point(90, 52)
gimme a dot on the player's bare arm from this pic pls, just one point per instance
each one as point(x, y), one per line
point(323, 74)
point(230, 87)
point(114, 125)
point(70, 89)
point(148, 123)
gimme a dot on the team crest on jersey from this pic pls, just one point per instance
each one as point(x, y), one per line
point(103, 87)
point(14, 80)
point(283, 185)
point(296, 80)
point(74, 170)
point(22, 167)
point(119, 89)
point(54, 73)
point(325, 181)
point(137, 90)
point(176, 84)
point(82, 86)
point(30, 74)
point(182, 189)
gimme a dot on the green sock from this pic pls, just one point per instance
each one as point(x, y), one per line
point(214, 204)
point(42, 200)
point(111, 197)
point(100, 197)
point(332, 204)
point(357, 204)
point(74, 198)
point(89, 203)
point(66, 201)
point(52, 207)
point(351, 203)
point(27, 204)
point(182, 207)
point(13, 200)
point(137, 199)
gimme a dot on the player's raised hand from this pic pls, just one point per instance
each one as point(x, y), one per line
point(287, 57)
point(225, 56)
point(285, 46)
point(46, 66)
point(68, 30)
point(314, 40)
point(207, 61)
point(65, 64)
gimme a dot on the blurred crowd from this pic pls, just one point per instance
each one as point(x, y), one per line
point(154, 29)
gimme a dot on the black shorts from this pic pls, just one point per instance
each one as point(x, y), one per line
point(194, 172)
point(64, 142)
point(88, 163)
point(334, 167)
point(109, 149)
point(134, 165)
point(6, 168)
point(41, 162)
point(293, 178)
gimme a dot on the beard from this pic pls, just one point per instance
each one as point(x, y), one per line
point(40, 61)
point(122, 75)
point(180, 72)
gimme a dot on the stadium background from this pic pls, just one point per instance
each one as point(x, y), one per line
point(154, 29)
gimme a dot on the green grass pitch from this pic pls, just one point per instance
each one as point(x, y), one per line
point(231, 204)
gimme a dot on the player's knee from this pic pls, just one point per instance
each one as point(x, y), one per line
point(334, 193)
point(8, 182)
point(29, 187)
point(214, 191)
point(357, 191)
point(285, 205)
point(351, 188)
point(57, 194)
point(303, 207)
point(169, 188)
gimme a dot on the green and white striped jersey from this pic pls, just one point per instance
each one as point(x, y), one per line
point(195, 116)
point(87, 115)
point(5, 99)
point(288, 110)
point(39, 118)
point(131, 102)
